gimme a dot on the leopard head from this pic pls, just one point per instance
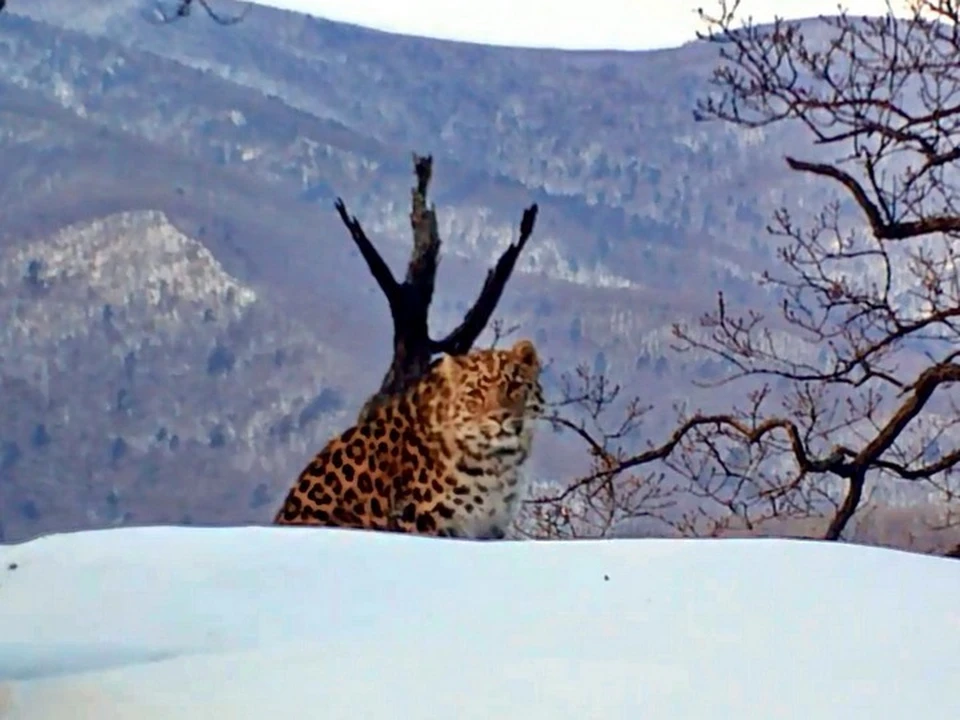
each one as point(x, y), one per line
point(520, 386)
point(500, 384)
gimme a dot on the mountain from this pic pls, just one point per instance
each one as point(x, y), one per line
point(189, 321)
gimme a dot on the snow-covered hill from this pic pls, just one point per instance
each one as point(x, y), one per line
point(266, 622)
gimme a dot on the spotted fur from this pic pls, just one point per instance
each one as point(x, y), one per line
point(441, 459)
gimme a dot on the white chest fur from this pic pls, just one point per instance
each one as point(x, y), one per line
point(491, 481)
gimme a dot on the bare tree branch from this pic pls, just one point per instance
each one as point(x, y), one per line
point(462, 338)
point(184, 8)
point(882, 230)
point(378, 267)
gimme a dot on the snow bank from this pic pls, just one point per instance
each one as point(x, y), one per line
point(187, 623)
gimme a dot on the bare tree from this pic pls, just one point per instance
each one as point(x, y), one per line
point(610, 495)
point(846, 383)
point(409, 300)
point(185, 7)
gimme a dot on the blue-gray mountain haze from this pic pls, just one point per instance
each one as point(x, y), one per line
point(187, 322)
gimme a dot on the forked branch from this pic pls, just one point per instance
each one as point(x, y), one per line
point(462, 338)
point(409, 301)
point(883, 228)
point(376, 264)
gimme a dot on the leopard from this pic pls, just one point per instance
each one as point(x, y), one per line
point(443, 458)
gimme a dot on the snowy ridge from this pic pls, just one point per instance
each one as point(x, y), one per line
point(143, 623)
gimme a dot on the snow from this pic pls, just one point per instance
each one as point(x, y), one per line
point(144, 623)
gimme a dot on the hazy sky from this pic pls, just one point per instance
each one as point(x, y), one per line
point(620, 24)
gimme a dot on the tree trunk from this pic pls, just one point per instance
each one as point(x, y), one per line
point(409, 301)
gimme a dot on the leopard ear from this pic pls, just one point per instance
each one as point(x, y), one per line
point(445, 365)
point(525, 352)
